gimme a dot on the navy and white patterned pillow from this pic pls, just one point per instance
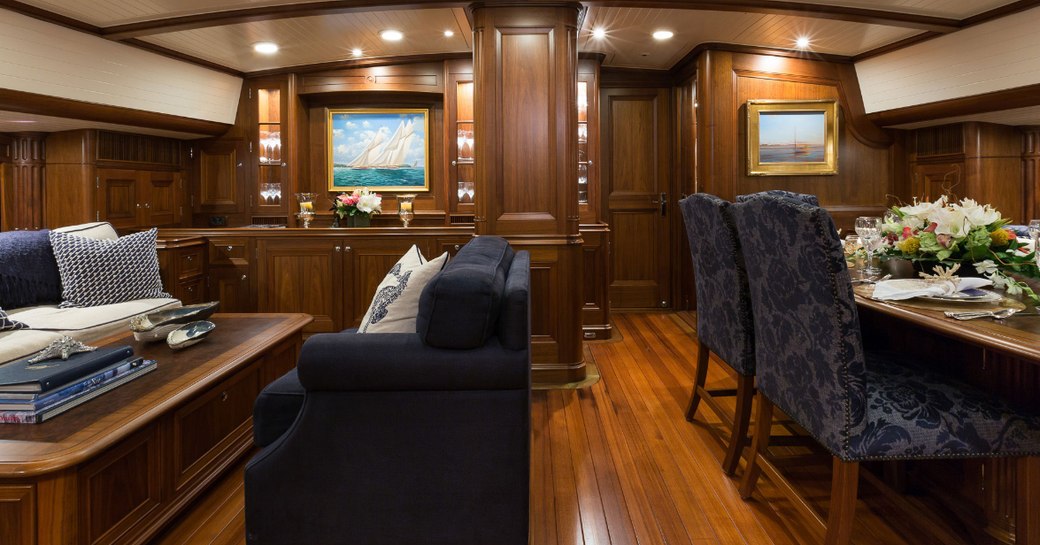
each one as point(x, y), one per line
point(7, 324)
point(396, 303)
point(103, 272)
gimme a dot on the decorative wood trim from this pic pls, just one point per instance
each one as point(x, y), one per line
point(634, 77)
point(177, 55)
point(308, 69)
point(687, 66)
point(894, 46)
point(32, 103)
point(1005, 99)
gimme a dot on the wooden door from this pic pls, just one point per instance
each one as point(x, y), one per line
point(119, 197)
point(162, 202)
point(636, 174)
point(304, 275)
point(932, 180)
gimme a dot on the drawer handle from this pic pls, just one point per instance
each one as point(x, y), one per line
point(229, 248)
point(191, 258)
point(223, 396)
point(244, 278)
point(457, 247)
point(191, 289)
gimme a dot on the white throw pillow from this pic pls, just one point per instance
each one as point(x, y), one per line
point(396, 304)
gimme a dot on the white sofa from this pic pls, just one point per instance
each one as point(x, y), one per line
point(89, 324)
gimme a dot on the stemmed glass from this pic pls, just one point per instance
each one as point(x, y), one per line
point(869, 230)
point(1034, 235)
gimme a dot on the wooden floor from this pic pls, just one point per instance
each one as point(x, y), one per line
point(617, 464)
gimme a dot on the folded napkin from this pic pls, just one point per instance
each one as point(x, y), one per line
point(908, 288)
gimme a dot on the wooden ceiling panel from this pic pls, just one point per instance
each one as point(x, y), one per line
point(954, 9)
point(329, 38)
point(105, 13)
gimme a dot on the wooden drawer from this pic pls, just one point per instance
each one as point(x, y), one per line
point(17, 511)
point(190, 262)
point(212, 424)
point(191, 291)
point(229, 251)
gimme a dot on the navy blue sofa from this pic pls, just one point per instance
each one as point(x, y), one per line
point(419, 438)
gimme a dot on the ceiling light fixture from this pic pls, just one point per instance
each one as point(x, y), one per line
point(356, 52)
point(391, 35)
point(663, 34)
point(599, 33)
point(448, 34)
point(267, 48)
point(802, 42)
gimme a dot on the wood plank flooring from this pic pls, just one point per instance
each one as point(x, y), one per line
point(617, 464)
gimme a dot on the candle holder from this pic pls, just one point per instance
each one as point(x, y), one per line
point(306, 213)
point(405, 208)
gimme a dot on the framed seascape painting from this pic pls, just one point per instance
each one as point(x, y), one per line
point(792, 137)
point(383, 149)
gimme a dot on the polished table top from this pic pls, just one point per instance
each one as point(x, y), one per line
point(1017, 336)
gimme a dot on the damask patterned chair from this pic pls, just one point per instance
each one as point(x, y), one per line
point(724, 323)
point(810, 363)
point(803, 197)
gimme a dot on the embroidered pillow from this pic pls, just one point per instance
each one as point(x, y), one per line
point(7, 324)
point(103, 272)
point(396, 303)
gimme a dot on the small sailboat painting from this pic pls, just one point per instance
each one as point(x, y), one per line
point(378, 148)
point(791, 137)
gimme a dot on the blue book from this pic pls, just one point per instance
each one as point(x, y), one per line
point(22, 402)
point(22, 376)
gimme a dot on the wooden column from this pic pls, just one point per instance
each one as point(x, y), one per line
point(23, 192)
point(525, 111)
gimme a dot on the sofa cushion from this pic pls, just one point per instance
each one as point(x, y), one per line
point(8, 324)
point(28, 272)
point(396, 302)
point(98, 230)
point(459, 307)
point(276, 408)
point(101, 272)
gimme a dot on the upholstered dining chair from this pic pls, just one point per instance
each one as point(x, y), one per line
point(810, 363)
point(803, 197)
point(723, 314)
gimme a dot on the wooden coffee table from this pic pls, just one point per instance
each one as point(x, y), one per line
point(118, 467)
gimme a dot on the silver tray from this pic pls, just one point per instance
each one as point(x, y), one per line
point(155, 326)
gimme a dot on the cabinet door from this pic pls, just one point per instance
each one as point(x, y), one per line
point(161, 202)
point(220, 177)
point(304, 276)
point(119, 197)
point(231, 286)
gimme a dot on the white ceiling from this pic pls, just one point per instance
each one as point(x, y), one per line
point(330, 38)
point(12, 122)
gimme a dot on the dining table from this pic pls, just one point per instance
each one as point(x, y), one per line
point(998, 356)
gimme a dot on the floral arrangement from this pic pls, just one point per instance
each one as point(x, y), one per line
point(361, 202)
point(966, 232)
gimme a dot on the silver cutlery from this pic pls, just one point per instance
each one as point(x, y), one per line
point(871, 280)
point(971, 315)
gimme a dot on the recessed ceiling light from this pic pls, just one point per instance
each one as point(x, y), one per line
point(356, 52)
point(802, 42)
point(663, 34)
point(448, 34)
point(391, 35)
point(267, 48)
point(599, 33)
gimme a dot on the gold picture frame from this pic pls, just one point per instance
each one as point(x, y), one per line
point(774, 145)
point(383, 149)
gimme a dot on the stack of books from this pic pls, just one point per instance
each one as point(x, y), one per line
point(33, 392)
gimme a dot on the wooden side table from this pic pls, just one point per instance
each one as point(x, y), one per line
point(182, 264)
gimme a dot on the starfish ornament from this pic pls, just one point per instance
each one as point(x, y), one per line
point(61, 348)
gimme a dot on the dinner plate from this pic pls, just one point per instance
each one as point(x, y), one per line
point(966, 296)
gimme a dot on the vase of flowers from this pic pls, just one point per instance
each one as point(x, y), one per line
point(965, 234)
point(356, 208)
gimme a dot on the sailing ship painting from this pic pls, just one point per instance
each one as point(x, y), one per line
point(378, 148)
point(791, 137)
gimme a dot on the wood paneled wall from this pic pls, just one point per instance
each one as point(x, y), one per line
point(23, 193)
point(727, 80)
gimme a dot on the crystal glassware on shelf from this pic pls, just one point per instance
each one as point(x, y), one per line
point(462, 191)
point(869, 230)
point(404, 208)
point(469, 191)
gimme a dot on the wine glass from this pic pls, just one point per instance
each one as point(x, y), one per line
point(869, 230)
point(851, 248)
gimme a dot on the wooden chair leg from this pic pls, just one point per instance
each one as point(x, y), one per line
point(844, 488)
point(759, 444)
point(1027, 501)
point(700, 378)
point(741, 420)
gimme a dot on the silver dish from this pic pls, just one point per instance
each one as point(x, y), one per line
point(156, 326)
point(189, 334)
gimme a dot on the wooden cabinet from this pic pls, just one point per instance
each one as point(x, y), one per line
point(132, 181)
point(269, 138)
point(461, 152)
point(587, 178)
point(137, 199)
point(182, 264)
point(230, 273)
